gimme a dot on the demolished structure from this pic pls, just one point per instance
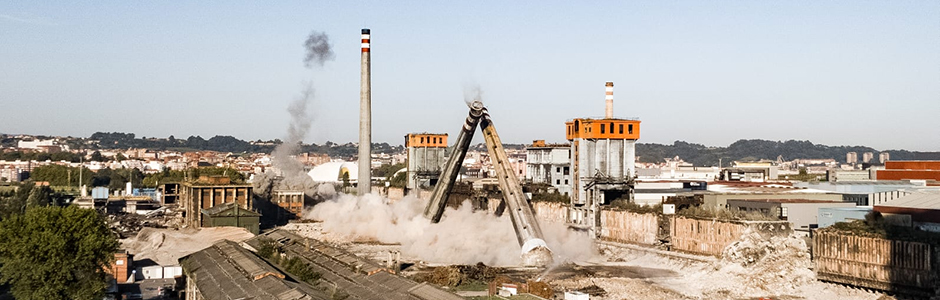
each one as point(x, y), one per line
point(535, 251)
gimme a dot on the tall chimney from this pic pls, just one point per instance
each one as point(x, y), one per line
point(365, 118)
point(609, 111)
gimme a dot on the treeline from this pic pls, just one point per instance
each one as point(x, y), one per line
point(223, 143)
point(752, 150)
point(40, 156)
point(118, 178)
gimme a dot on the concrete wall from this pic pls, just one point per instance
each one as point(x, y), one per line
point(628, 227)
point(891, 265)
point(550, 212)
point(711, 237)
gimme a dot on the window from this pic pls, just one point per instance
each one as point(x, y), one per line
point(567, 170)
point(630, 128)
point(422, 139)
point(566, 181)
point(602, 128)
point(611, 127)
point(783, 212)
point(557, 181)
point(621, 128)
point(557, 169)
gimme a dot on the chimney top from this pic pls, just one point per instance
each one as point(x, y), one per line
point(610, 83)
point(365, 31)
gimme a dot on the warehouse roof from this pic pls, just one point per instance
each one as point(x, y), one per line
point(227, 271)
point(919, 200)
point(360, 278)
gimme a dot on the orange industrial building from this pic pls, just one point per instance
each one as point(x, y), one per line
point(910, 170)
point(426, 153)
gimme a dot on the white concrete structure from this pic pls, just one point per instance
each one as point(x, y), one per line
point(332, 172)
point(549, 164)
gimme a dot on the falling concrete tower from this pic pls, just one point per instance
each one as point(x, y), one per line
point(365, 118)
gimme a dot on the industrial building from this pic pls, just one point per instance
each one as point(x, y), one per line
point(549, 164)
point(761, 171)
point(923, 207)
point(426, 154)
point(358, 277)
point(801, 213)
point(910, 169)
point(229, 214)
point(228, 271)
point(290, 202)
point(208, 192)
point(603, 156)
point(722, 191)
point(836, 175)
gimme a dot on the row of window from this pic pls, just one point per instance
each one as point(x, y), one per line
point(603, 128)
point(433, 140)
point(629, 128)
point(558, 181)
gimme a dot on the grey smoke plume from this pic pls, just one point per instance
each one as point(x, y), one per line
point(290, 173)
point(290, 170)
point(472, 92)
point(318, 48)
point(463, 236)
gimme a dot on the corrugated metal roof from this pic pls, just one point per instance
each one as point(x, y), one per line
point(359, 277)
point(919, 200)
point(227, 271)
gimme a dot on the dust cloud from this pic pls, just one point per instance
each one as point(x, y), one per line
point(463, 236)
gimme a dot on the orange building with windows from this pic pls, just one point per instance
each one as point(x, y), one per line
point(426, 152)
point(437, 140)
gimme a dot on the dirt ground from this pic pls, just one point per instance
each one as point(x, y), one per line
point(780, 271)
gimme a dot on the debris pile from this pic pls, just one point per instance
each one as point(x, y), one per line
point(459, 274)
point(129, 225)
point(772, 264)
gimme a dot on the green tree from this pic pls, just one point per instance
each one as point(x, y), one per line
point(53, 253)
point(399, 180)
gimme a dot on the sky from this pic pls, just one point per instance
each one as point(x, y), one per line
point(708, 72)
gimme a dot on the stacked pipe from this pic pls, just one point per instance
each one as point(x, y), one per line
point(535, 251)
point(435, 208)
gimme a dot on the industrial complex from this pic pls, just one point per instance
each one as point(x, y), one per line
point(431, 219)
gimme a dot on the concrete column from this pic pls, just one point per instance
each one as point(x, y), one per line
point(365, 117)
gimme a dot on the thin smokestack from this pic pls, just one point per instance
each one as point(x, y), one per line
point(365, 117)
point(609, 111)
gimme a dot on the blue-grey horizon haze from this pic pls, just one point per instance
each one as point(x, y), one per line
point(707, 72)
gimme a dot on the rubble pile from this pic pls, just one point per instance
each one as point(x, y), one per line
point(455, 275)
point(770, 264)
point(128, 225)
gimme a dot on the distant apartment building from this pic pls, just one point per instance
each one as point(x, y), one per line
point(851, 158)
point(867, 157)
point(549, 164)
point(884, 157)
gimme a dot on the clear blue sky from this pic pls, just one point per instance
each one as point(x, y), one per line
point(837, 73)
